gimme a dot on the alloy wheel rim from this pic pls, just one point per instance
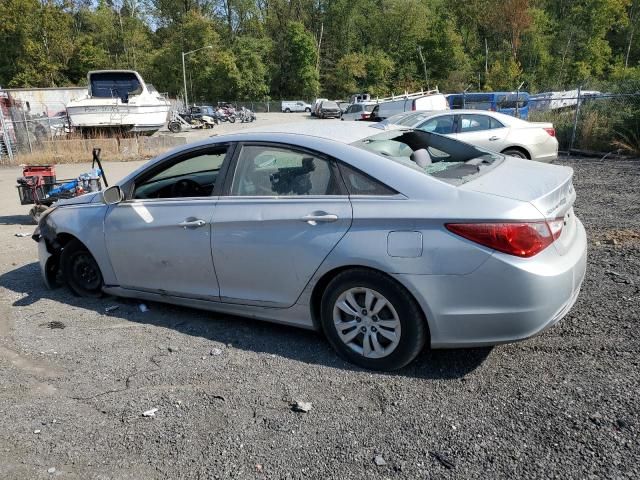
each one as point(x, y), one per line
point(367, 322)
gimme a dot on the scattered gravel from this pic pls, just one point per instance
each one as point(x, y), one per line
point(561, 405)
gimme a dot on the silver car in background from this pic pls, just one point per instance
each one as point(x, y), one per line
point(492, 131)
point(382, 240)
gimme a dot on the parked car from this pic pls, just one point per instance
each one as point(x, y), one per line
point(329, 109)
point(316, 106)
point(358, 111)
point(408, 103)
point(382, 240)
point(492, 131)
point(295, 106)
point(343, 105)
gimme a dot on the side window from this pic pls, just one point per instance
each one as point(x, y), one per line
point(474, 123)
point(442, 125)
point(495, 123)
point(193, 176)
point(276, 171)
point(359, 183)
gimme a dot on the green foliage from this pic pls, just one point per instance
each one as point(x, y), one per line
point(333, 48)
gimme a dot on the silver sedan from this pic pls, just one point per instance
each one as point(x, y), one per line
point(382, 240)
point(492, 131)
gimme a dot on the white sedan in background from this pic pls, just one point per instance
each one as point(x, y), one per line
point(492, 131)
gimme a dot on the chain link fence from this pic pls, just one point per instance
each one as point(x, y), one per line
point(591, 122)
point(585, 121)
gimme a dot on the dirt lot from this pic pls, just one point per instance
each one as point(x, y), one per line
point(561, 405)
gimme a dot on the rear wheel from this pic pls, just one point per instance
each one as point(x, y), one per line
point(372, 321)
point(80, 270)
point(174, 127)
point(513, 152)
point(287, 110)
point(308, 110)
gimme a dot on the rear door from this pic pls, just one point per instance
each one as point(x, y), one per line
point(483, 131)
point(284, 210)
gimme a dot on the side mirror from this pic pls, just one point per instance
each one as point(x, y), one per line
point(112, 195)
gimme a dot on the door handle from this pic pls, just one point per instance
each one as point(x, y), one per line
point(192, 223)
point(491, 139)
point(319, 217)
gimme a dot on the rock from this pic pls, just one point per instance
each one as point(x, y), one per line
point(150, 413)
point(52, 470)
point(596, 418)
point(215, 352)
point(36, 431)
point(143, 308)
point(172, 349)
point(379, 461)
point(303, 407)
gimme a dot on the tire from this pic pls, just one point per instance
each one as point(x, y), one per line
point(287, 110)
point(175, 127)
point(513, 152)
point(308, 110)
point(232, 119)
point(80, 270)
point(404, 324)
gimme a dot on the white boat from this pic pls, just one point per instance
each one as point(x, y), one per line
point(119, 99)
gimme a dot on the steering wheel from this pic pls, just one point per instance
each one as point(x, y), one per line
point(185, 188)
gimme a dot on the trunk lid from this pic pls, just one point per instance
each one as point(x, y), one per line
point(549, 188)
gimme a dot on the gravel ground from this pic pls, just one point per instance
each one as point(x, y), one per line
point(561, 405)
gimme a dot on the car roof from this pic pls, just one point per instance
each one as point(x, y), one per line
point(342, 132)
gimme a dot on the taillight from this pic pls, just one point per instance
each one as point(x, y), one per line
point(413, 106)
point(364, 116)
point(523, 239)
point(551, 131)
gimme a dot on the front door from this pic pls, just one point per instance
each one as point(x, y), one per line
point(286, 209)
point(159, 239)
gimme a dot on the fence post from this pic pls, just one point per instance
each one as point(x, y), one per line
point(26, 129)
point(5, 137)
point(575, 122)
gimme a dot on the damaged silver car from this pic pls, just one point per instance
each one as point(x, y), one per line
point(383, 241)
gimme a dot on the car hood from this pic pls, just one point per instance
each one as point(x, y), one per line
point(79, 200)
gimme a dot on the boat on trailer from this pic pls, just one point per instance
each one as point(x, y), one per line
point(119, 100)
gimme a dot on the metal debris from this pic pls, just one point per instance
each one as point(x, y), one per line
point(150, 413)
point(379, 461)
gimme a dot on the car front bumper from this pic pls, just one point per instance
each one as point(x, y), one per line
point(506, 299)
point(44, 258)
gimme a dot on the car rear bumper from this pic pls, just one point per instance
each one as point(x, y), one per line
point(505, 300)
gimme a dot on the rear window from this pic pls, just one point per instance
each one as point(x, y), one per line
point(431, 154)
point(329, 105)
point(369, 108)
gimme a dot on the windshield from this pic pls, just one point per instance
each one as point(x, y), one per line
point(329, 105)
point(431, 154)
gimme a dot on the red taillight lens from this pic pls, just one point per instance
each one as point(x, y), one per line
point(551, 131)
point(364, 116)
point(523, 239)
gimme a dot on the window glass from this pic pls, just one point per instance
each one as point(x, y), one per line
point(359, 183)
point(275, 171)
point(496, 123)
point(442, 125)
point(451, 161)
point(369, 108)
point(194, 176)
point(474, 123)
